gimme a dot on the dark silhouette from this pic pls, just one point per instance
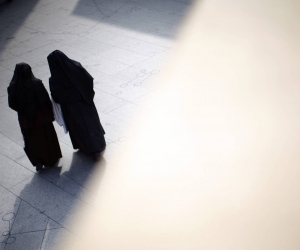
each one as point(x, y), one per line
point(28, 96)
point(72, 87)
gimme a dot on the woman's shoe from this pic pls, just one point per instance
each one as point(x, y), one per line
point(96, 156)
point(39, 167)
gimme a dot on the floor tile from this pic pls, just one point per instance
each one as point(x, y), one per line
point(70, 173)
point(123, 45)
point(104, 65)
point(115, 129)
point(106, 102)
point(46, 197)
point(10, 149)
point(54, 237)
point(27, 241)
point(3, 91)
point(9, 126)
point(6, 75)
point(128, 113)
point(29, 219)
point(52, 225)
point(8, 209)
point(123, 56)
point(54, 176)
point(4, 96)
point(24, 162)
point(12, 173)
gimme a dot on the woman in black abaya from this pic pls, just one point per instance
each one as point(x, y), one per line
point(28, 96)
point(72, 87)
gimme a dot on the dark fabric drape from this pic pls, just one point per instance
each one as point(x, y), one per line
point(68, 74)
point(26, 93)
point(28, 96)
point(72, 87)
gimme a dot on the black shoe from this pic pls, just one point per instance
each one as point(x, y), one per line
point(96, 156)
point(39, 167)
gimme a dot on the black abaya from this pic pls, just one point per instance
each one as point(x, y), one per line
point(28, 96)
point(72, 87)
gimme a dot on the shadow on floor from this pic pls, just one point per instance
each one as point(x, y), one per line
point(157, 17)
point(8, 12)
point(48, 205)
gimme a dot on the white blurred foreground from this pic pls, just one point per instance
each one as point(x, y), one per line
point(216, 163)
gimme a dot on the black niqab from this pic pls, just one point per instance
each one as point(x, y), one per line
point(67, 73)
point(26, 93)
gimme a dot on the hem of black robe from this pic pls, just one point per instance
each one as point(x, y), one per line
point(93, 147)
point(41, 145)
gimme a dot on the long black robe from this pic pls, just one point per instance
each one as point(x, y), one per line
point(28, 96)
point(72, 87)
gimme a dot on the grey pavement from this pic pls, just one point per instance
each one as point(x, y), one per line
point(124, 44)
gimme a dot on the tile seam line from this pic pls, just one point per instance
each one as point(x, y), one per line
point(34, 173)
point(113, 13)
point(49, 32)
point(36, 49)
point(105, 57)
point(147, 18)
point(17, 212)
point(44, 234)
point(20, 55)
point(116, 23)
point(3, 65)
point(114, 33)
point(22, 200)
point(44, 32)
point(39, 230)
point(140, 97)
point(114, 75)
point(104, 92)
point(110, 95)
point(116, 47)
point(128, 49)
point(174, 1)
point(39, 32)
point(12, 141)
point(11, 158)
point(68, 178)
point(150, 57)
point(30, 231)
point(78, 198)
point(19, 183)
point(14, 218)
point(67, 175)
point(93, 54)
point(120, 98)
point(38, 210)
point(123, 48)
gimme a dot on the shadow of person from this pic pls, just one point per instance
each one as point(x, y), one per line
point(8, 8)
point(113, 13)
point(52, 174)
point(83, 168)
point(48, 207)
point(44, 207)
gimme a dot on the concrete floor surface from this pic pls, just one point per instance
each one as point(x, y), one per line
point(124, 44)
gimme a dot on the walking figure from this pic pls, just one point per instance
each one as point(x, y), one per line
point(28, 96)
point(72, 87)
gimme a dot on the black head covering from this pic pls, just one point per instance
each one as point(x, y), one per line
point(25, 92)
point(67, 73)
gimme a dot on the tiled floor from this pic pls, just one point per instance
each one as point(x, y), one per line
point(124, 45)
